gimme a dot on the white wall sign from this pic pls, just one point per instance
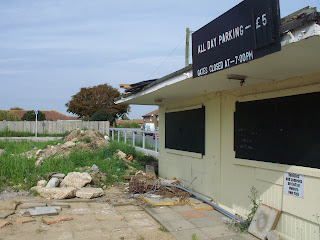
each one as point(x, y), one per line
point(293, 184)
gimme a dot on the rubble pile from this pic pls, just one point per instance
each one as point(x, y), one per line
point(74, 184)
point(77, 139)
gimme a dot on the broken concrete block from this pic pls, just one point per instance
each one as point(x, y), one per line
point(264, 220)
point(76, 179)
point(121, 155)
point(150, 171)
point(39, 211)
point(57, 193)
point(4, 214)
point(39, 152)
point(32, 205)
point(54, 182)
point(58, 175)
point(89, 193)
point(39, 161)
point(68, 144)
point(25, 220)
point(42, 183)
point(3, 223)
point(24, 213)
point(56, 219)
point(60, 204)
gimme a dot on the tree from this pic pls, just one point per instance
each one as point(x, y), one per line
point(8, 116)
point(102, 115)
point(89, 100)
point(31, 116)
point(16, 108)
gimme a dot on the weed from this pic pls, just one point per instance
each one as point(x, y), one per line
point(34, 193)
point(243, 226)
point(162, 229)
point(194, 236)
point(6, 132)
point(140, 238)
point(86, 139)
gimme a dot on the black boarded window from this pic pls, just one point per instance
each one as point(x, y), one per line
point(185, 130)
point(280, 130)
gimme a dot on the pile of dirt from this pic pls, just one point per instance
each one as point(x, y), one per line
point(77, 139)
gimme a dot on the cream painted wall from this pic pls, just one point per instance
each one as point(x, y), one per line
point(228, 180)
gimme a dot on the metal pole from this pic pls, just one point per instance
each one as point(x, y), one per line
point(125, 136)
point(118, 136)
point(36, 123)
point(187, 47)
point(112, 134)
point(133, 139)
point(143, 140)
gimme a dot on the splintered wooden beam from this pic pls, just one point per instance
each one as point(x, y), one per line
point(125, 86)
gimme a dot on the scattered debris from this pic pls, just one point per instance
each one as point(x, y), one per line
point(3, 223)
point(264, 220)
point(32, 205)
point(95, 168)
point(89, 193)
point(76, 180)
point(57, 193)
point(77, 139)
point(39, 211)
point(54, 182)
point(58, 175)
point(5, 214)
point(42, 183)
point(57, 219)
point(121, 155)
point(25, 220)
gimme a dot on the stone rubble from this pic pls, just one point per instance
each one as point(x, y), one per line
point(89, 193)
point(54, 182)
point(76, 180)
point(57, 219)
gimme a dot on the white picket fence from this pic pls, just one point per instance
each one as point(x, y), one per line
point(52, 127)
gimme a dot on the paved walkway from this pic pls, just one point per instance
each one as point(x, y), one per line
point(183, 222)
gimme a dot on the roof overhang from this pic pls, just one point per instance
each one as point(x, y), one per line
point(299, 56)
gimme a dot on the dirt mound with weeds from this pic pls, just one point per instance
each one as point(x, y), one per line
point(77, 139)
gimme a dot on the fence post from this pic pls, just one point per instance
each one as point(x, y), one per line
point(112, 132)
point(133, 138)
point(143, 140)
point(118, 136)
point(125, 136)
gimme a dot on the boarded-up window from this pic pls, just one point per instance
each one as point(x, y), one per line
point(185, 130)
point(280, 130)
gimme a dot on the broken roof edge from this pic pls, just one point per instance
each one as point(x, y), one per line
point(171, 75)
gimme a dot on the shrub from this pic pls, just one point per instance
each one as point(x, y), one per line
point(31, 116)
point(129, 125)
point(8, 116)
point(102, 115)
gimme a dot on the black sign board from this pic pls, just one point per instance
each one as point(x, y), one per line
point(246, 32)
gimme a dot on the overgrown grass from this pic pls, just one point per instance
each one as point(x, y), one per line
point(9, 133)
point(19, 172)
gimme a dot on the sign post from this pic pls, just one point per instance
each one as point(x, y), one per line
point(246, 32)
point(36, 112)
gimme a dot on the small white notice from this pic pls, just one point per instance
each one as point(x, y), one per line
point(293, 184)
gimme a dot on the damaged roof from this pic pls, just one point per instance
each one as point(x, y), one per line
point(291, 22)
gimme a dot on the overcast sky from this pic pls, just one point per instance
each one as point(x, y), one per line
point(49, 49)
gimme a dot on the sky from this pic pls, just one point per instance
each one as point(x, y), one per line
point(49, 49)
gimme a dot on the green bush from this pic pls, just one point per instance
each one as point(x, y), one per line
point(8, 116)
point(102, 115)
point(129, 125)
point(31, 116)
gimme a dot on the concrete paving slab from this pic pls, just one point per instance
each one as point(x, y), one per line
point(217, 231)
point(232, 237)
point(5, 214)
point(174, 225)
point(40, 211)
point(32, 205)
point(181, 208)
point(168, 216)
point(205, 222)
point(187, 234)
point(192, 214)
point(162, 201)
point(157, 210)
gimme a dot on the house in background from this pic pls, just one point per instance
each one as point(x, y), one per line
point(152, 117)
point(254, 124)
point(50, 115)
